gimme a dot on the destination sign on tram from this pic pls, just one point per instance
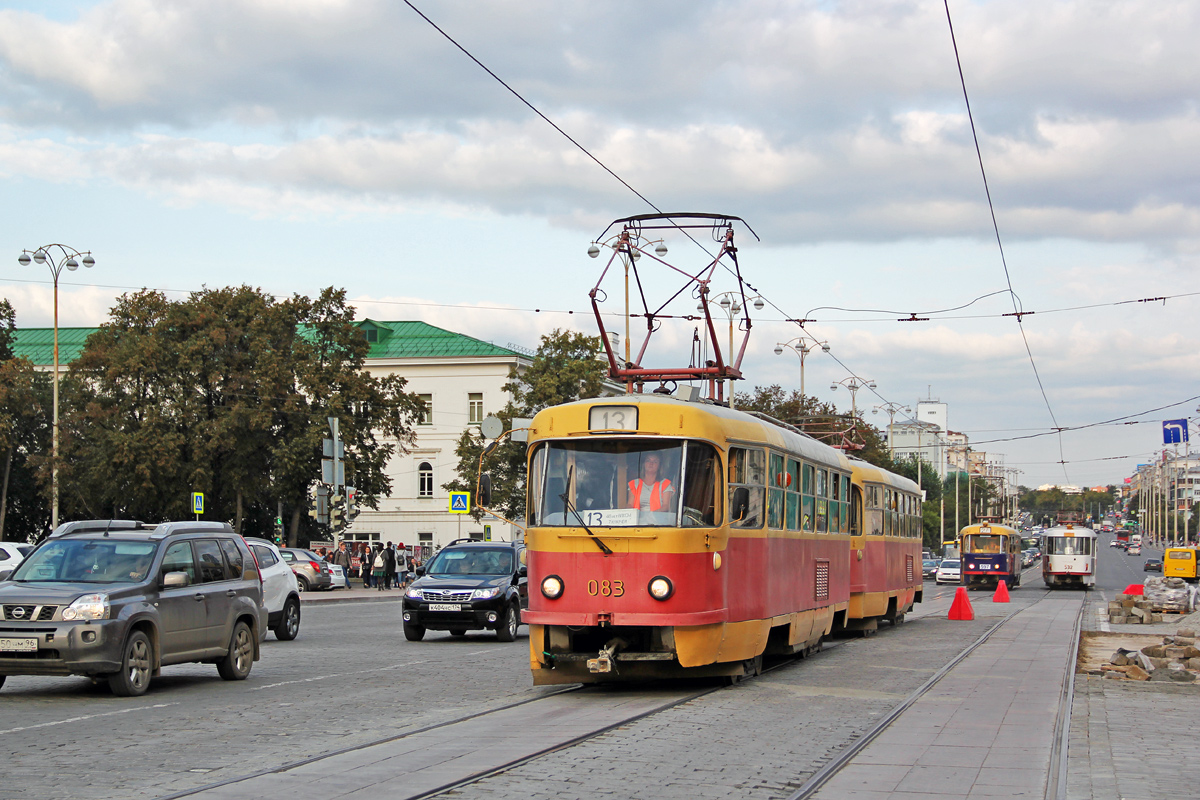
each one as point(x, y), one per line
point(613, 418)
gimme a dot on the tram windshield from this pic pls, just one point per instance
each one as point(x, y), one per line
point(1068, 546)
point(984, 543)
point(625, 483)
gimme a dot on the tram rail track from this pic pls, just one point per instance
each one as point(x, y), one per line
point(827, 771)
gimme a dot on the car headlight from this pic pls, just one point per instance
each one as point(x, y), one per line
point(485, 594)
point(90, 606)
point(660, 587)
point(552, 587)
point(414, 594)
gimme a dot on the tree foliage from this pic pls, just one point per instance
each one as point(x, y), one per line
point(565, 367)
point(225, 393)
point(25, 416)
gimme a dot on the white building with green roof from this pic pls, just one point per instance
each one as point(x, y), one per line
point(461, 380)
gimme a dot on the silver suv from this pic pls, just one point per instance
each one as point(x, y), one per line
point(119, 600)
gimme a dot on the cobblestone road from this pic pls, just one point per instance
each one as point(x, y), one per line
point(349, 679)
point(761, 739)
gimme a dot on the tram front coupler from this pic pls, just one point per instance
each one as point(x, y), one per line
point(606, 660)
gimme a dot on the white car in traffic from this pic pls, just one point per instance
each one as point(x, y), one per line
point(281, 589)
point(949, 571)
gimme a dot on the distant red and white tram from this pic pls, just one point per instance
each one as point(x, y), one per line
point(670, 538)
point(1069, 557)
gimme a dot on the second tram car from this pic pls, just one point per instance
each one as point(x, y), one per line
point(672, 538)
point(1069, 557)
point(990, 553)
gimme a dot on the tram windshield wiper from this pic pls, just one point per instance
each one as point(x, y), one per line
point(566, 498)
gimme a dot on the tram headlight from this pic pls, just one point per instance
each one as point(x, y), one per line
point(552, 587)
point(660, 587)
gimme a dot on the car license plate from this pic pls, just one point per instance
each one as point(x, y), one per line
point(19, 645)
point(985, 566)
point(445, 607)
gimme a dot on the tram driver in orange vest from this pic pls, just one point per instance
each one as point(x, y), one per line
point(650, 492)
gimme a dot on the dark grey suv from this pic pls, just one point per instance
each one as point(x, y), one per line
point(119, 600)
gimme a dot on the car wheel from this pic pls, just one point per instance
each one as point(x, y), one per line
point(301, 583)
point(136, 666)
point(457, 632)
point(414, 633)
point(236, 664)
point(507, 632)
point(289, 621)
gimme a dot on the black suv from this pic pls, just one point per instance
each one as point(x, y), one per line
point(120, 599)
point(469, 585)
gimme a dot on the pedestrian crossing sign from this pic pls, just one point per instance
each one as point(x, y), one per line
point(460, 502)
point(197, 503)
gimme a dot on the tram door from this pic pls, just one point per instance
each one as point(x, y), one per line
point(858, 538)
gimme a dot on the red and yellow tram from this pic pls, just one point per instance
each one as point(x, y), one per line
point(673, 538)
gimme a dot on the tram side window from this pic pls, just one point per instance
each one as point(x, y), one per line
point(793, 494)
point(835, 503)
point(822, 500)
point(846, 503)
point(701, 484)
point(887, 512)
point(746, 472)
point(808, 514)
point(777, 476)
point(874, 524)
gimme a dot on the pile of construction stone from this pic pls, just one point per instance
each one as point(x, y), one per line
point(1170, 594)
point(1132, 609)
point(1176, 659)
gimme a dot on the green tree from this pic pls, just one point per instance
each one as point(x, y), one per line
point(24, 435)
point(566, 367)
point(225, 393)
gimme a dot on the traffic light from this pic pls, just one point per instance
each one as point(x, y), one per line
point(351, 503)
point(337, 511)
point(278, 530)
point(319, 501)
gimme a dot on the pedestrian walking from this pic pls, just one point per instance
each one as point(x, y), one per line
point(342, 558)
point(389, 566)
point(366, 565)
point(378, 568)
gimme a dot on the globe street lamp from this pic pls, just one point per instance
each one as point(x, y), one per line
point(853, 383)
point(801, 348)
point(70, 258)
point(731, 304)
point(891, 409)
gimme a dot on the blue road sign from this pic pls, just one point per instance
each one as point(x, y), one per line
point(460, 502)
point(197, 502)
point(1175, 431)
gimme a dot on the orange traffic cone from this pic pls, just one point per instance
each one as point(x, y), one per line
point(1001, 595)
point(961, 607)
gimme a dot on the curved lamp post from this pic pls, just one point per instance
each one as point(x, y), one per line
point(730, 304)
point(891, 409)
point(853, 383)
point(801, 348)
point(70, 258)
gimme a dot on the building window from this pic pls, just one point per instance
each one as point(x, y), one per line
point(425, 545)
point(425, 480)
point(427, 412)
point(475, 406)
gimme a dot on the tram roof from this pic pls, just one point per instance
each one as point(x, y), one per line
point(875, 474)
point(1076, 531)
point(735, 425)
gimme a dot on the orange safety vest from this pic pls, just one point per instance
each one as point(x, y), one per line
point(656, 490)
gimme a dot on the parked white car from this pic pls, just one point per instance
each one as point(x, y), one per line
point(340, 579)
point(281, 590)
point(12, 554)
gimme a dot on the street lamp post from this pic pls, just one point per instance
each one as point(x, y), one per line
point(731, 304)
point(853, 383)
point(801, 348)
point(892, 409)
point(70, 258)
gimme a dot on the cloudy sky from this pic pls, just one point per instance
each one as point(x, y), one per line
point(295, 144)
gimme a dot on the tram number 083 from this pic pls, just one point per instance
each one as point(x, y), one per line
point(606, 588)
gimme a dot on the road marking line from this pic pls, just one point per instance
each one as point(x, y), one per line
point(87, 716)
point(356, 672)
